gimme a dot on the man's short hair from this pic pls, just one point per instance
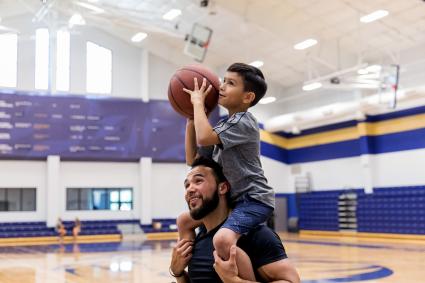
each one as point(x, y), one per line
point(216, 168)
point(253, 79)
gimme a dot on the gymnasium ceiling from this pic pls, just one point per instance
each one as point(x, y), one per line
point(266, 30)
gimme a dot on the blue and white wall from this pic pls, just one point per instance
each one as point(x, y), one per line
point(381, 151)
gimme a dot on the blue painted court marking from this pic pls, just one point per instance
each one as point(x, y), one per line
point(71, 270)
point(377, 272)
point(364, 246)
point(366, 271)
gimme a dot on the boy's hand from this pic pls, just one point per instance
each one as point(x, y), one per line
point(197, 96)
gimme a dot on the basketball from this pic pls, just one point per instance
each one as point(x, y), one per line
point(184, 78)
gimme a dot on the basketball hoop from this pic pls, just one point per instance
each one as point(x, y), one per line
point(198, 42)
point(389, 84)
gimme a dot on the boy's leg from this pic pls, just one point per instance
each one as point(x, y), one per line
point(245, 216)
point(186, 226)
point(223, 241)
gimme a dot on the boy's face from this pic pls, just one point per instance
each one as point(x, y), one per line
point(232, 94)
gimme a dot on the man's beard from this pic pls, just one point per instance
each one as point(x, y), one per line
point(208, 205)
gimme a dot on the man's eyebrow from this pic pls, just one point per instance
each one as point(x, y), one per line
point(196, 175)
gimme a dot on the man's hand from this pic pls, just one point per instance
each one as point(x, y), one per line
point(227, 270)
point(197, 96)
point(181, 255)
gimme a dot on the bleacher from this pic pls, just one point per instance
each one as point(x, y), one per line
point(397, 210)
point(88, 227)
point(25, 229)
point(318, 210)
point(165, 225)
point(99, 227)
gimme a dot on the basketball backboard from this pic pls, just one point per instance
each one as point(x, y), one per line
point(197, 42)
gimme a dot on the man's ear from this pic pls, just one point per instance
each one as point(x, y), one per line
point(223, 188)
point(249, 97)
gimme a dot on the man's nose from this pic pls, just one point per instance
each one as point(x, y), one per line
point(190, 190)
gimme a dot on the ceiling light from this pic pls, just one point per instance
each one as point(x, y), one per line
point(374, 16)
point(257, 64)
point(138, 37)
point(76, 19)
point(312, 86)
point(305, 44)
point(295, 130)
point(267, 100)
point(91, 7)
point(373, 68)
point(362, 72)
point(172, 14)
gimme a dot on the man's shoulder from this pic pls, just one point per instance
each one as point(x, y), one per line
point(261, 233)
point(263, 246)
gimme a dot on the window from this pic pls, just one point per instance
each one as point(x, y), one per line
point(8, 59)
point(62, 60)
point(99, 69)
point(42, 58)
point(99, 199)
point(17, 199)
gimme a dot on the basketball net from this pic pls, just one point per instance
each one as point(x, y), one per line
point(387, 92)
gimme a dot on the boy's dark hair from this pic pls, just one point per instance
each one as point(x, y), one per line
point(253, 79)
point(216, 168)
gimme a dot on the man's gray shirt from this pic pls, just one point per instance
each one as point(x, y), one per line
point(239, 155)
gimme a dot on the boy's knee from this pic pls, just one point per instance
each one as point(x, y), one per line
point(183, 220)
point(223, 240)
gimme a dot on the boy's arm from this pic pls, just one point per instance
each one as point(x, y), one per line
point(205, 134)
point(190, 142)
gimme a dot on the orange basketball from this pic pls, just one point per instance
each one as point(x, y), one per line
point(183, 78)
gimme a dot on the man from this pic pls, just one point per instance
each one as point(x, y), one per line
point(206, 195)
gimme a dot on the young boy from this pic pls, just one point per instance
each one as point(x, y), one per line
point(234, 143)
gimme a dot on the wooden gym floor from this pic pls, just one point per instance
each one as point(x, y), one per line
point(319, 259)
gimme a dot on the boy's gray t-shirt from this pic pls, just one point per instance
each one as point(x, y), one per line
point(239, 155)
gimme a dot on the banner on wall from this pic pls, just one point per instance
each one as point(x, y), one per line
point(81, 128)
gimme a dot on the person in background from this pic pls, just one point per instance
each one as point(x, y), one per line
point(60, 229)
point(76, 229)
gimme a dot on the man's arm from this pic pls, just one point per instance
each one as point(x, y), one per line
point(280, 271)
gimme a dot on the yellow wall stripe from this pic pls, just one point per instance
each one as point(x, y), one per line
point(363, 129)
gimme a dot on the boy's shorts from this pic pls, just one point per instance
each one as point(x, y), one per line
point(247, 214)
